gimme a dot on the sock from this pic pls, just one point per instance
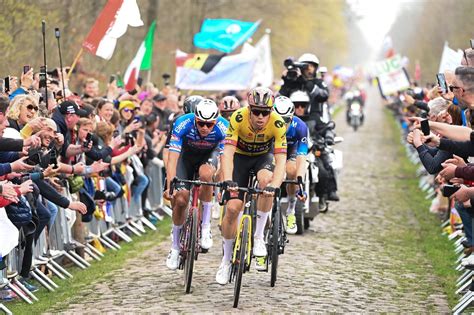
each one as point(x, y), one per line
point(206, 214)
point(261, 222)
point(291, 205)
point(228, 248)
point(176, 232)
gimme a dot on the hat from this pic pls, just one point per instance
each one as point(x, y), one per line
point(127, 104)
point(159, 98)
point(69, 107)
point(150, 118)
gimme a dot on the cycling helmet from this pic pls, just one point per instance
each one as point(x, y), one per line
point(299, 97)
point(309, 58)
point(284, 107)
point(229, 104)
point(323, 69)
point(190, 103)
point(261, 97)
point(206, 110)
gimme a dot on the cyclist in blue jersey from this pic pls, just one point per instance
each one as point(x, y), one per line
point(297, 140)
point(196, 144)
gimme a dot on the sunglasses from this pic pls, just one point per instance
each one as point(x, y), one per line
point(300, 105)
point(128, 110)
point(205, 123)
point(258, 112)
point(32, 107)
point(453, 87)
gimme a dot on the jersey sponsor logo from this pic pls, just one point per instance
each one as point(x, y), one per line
point(261, 136)
point(174, 138)
point(221, 126)
point(181, 126)
point(304, 140)
point(254, 147)
point(279, 123)
point(239, 117)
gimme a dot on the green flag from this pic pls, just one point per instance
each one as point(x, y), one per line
point(146, 62)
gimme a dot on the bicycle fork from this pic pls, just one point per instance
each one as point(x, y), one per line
point(238, 240)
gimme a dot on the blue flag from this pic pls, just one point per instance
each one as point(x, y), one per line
point(224, 34)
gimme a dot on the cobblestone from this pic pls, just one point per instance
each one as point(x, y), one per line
point(344, 263)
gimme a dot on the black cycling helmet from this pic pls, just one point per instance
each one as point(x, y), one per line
point(190, 103)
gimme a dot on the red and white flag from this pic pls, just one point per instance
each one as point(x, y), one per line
point(111, 24)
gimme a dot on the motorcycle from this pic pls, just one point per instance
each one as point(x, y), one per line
point(355, 115)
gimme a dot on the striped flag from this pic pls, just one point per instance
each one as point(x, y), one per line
point(111, 24)
point(141, 61)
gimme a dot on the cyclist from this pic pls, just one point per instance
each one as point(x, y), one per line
point(188, 107)
point(228, 105)
point(196, 143)
point(297, 140)
point(256, 135)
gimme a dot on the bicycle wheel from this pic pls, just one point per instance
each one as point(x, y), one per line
point(190, 249)
point(299, 214)
point(275, 245)
point(239, 264)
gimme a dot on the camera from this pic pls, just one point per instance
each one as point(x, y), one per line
point(166, 78)
point(129, 139)
point(291, 65)
point(42, 77)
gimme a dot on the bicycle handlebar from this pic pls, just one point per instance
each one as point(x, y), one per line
point(176, 180)
point(299, 182)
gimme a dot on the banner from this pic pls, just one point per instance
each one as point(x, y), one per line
point(263, 71)
point(111, 24)
point(391, 83)
point(224, 34)
point(450, 59)
point(388, 65)
point(229, 73)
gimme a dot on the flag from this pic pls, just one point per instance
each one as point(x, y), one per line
point(228, 73)
point(141, 61)
point(111, 24)
point(450, 59)
point(202, 62)
point(224, 34)
point(263, 72)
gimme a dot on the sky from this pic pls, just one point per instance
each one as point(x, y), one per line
point(375, 18)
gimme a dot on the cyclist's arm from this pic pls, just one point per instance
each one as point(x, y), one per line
point(180, 128)
point(301, 165)
point(228, 161)
point(171, 167)
point(279, 172)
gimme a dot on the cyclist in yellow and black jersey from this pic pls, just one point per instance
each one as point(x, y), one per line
point(255, 137)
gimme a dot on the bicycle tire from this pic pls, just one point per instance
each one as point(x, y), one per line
point(244, 243)
point(275, 245)
point(190, 251)
point(299, 215)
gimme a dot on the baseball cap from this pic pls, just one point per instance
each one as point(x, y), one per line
point(159, 98)
point(69, 107)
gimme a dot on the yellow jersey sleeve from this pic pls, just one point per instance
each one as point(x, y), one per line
point(232, 134)
point(279, 133)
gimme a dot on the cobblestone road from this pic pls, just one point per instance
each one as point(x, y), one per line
point(343, 264)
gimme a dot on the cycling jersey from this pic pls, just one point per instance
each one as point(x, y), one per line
point(185, 135)
point(297, 137)
point(253, 143)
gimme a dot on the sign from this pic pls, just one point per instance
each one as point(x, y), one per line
point(391, 83)
point(450, 59)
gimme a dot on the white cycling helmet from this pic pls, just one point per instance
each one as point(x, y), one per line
point(206, 110)
point(284, 107)
point(309, 58)
point(299, 97)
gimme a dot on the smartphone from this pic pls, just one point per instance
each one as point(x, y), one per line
point(2, 86)
point(425, 127)
point(166, 77)
point(449, 190)
point(472, 43)
point(6, 84)
point(26, 68)
point(88, 140)
point(42, 77)
point(442, 82)
point(111, 79)
point(53, 158)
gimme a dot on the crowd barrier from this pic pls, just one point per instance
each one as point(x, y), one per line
point(123, 219)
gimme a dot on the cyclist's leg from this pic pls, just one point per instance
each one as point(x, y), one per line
point(206, 174)
point(264, 168)
point(290, 188)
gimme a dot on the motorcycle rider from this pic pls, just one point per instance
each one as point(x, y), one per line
point(301, 77)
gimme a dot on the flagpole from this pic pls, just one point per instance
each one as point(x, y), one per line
point(148, 78)
point(79, 54)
